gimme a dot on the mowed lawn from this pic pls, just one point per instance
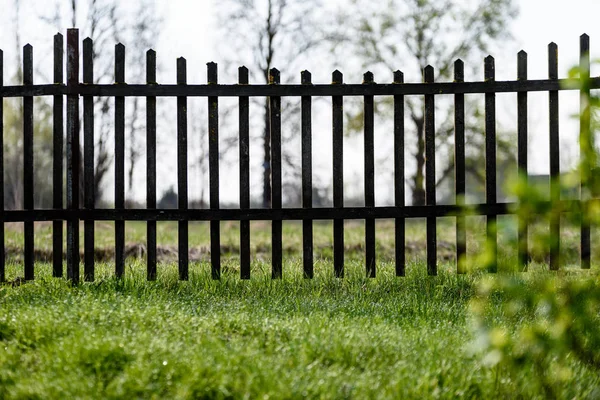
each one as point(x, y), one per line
point(389, 337)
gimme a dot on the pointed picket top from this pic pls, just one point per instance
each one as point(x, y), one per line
point(58, 34)
point(120, 47)
point(273, 76)
point(305, 77)
point(88, 61)
point(459, 70)
point(243, 75)
point(398, 76)
point(212, 71)
point(27, 64)
point(428, 73)
point(522, 65)
point(368, 77)
point(584, 36)
point(181, 71)
point(337, 77)
point(489, 68)
point(552, 61)
point(151, 66)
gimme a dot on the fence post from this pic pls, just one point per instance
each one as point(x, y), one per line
point(213, 171)
point(244, 128)
point(307, 224)
point(28, 186)
point(399, 223)
point(73, 156)
point(490, 162)
point(523, 246)
point(57, 155)
point(585, 146)
point(337, 104)
point(459, 168)
point(88, 160)
point(554, 160)
point(430, 197)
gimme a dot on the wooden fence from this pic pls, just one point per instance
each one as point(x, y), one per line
point(337, 90)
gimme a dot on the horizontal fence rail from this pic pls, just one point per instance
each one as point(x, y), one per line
point(77, 210)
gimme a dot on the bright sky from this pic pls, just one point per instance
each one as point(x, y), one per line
point(189, 31)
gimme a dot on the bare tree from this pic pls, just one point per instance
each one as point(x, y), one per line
point(411, 34)
point(107, 23)
point(265, 33)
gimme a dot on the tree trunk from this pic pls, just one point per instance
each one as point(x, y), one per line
point(418, 194)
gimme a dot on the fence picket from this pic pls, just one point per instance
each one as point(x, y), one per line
point(244, 127)
point(276, 225)
point(73, 157)
point(151, 166)
point(585, 144)
point(307, 224)
point(430, 182)
point(523, 232)
point(213, 169)
point(490, 162)
point(369, 147)
point(88, 160)
point(554, 160)
point(182, 167)
point(338, 175)
point(399, 223)
point(459, 168)
point(119, 161)
point(57, 159)
point(28, 257)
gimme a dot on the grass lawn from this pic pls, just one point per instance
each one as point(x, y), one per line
point(387, 337)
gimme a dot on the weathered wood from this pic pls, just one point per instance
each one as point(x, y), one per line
point(182, 171)
point(338, 176)
point(151, 165)
point(213, 172)
point(307, 225)
point(554, 160)
point(430, 182)
point(276, 226)
point(88, 160)
point(119, 161)
point(244, 127)
point(490, 163)
point(57, 158)
point(399, 176)
point(73, 157)
point(28, 259)
point(459, 168)
point(523, 246)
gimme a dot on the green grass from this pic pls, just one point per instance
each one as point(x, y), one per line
point(331, 338)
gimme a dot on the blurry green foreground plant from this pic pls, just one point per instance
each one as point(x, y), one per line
point(557, 322)
point(554, 319)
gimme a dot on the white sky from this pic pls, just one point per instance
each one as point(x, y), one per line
point(189, 31)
